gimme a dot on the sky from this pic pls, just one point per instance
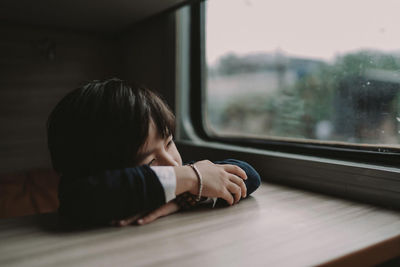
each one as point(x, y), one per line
point(318, 29)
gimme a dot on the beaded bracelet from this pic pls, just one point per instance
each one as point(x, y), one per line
point(200, 180)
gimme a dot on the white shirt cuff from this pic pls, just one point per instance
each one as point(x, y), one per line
point(167, 177)
point(210, 200)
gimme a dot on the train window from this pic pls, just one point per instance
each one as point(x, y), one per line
point(315, 72)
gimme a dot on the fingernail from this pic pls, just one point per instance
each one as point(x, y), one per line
point(140, 221)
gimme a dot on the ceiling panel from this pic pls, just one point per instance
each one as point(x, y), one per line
point(87, 15)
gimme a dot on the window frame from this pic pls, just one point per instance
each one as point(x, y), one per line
point(367, 176)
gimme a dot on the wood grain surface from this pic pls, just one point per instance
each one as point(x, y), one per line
point(277, 226)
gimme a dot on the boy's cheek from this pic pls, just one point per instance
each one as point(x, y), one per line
point(178, 158)
point(177, 155)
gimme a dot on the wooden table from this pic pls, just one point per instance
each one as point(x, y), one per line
point(278, 226)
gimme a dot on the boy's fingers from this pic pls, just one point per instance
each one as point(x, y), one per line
point(227, 196)
point(239, 182)
point(233, 169)
point(164, 210)
point(126, 221)
point(235, 191)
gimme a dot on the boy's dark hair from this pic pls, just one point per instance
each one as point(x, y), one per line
point(102, 126)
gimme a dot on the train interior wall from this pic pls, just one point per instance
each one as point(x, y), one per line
point(39, 65)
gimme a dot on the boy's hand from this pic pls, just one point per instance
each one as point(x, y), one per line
point(164, 210)
point(223, 181)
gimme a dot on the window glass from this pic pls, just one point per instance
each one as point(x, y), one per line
point(311, 70)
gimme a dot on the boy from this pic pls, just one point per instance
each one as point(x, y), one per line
point(113, 148)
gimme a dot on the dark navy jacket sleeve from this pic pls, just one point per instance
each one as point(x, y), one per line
point(253, 178)
point(110, 195)
point(117, 194)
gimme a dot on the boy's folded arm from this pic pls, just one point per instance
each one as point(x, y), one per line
point(117, 194)
point(110, 195)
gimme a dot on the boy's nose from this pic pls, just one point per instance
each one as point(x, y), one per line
point(167, 159)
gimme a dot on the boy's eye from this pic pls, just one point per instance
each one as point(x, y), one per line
point(169, 143)
point(151, 162)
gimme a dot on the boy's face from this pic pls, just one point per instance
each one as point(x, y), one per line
point(157, 151)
